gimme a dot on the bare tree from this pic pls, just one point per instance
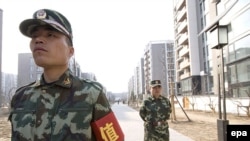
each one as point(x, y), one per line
point(195, 85)
point(211, 104)
point(241, 106)
point(233, 79)
point(9, 95)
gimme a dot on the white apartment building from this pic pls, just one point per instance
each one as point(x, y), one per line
point(198, 54)
point(29, 72)
point(131, 88)
point(187, 46)
point(229, 31)
point(156, 65)
point(139, 82)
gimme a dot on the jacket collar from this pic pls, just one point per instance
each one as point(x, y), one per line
point(153, 98)
point(65, 80)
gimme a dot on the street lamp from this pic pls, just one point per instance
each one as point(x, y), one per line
point(219, 39)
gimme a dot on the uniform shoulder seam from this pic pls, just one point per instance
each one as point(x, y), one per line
point(25, 86)
point(94, 83)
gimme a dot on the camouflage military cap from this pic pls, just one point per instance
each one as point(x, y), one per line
point(154, 83)
point(45, 17)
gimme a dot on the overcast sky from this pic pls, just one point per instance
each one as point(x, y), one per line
point(109, 35)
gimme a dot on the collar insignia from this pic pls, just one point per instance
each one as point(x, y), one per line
point(66, 81)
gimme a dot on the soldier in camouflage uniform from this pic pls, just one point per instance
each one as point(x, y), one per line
point(155, 112)
point(59, 106)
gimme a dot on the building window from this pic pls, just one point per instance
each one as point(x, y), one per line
point(242, 47)
point(232, 74)
point(186, 85)
point(241, 92)
point(239, 72)
point(243, 72)
point(241, 23)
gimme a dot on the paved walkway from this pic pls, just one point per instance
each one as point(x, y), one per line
point(132, 125)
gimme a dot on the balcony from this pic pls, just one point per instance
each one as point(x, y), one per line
point(180, 4)
point(179, 58)
point(185, 64)
point(181, 15)
point(182, 27)
point(185, 75)
point(183, 39)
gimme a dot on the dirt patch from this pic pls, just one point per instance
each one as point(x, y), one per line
point(5, 126)
point(203, 125)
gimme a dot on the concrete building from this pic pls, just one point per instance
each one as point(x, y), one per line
point(224, 42)
point(75, 67)
point(90, 76)
point(198, 53)
point(170, 68)
point(131, 89)
point(136, 82)
point(29, 72)
point(187, 46)
point(228, 32)
point(9, 86)
point(139, 81)
point(156, 67)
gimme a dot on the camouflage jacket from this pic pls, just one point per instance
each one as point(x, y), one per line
point(61, 111)
point(154, 110)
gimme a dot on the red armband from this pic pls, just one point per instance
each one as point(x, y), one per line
point(107, 128)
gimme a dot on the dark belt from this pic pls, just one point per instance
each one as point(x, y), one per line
point(158, 123)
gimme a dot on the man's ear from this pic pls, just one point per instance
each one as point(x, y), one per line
point(71, 51)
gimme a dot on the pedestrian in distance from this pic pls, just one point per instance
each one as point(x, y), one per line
point(59, 106)
point(155, 111)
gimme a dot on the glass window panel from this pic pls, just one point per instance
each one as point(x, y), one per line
point(232, 74)
point(231, 55)
point(242, 47)
point(243, 71)
point(244, 91)
point(235, 93)
point(241, 23)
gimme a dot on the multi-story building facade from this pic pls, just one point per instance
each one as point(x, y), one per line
point(156, 67)
point(90, 76)
point(199, 27)
point(29, 72)
point(139, 82)
point(187, 46)
point(170, 68)
point(230, 24)
point(9, 86)
point(131, 89)
point(136, 82)
point(74, 67)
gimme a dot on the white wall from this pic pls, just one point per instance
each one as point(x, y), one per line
point(202, 103)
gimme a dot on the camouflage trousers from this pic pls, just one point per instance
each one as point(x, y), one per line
point(156, 133)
